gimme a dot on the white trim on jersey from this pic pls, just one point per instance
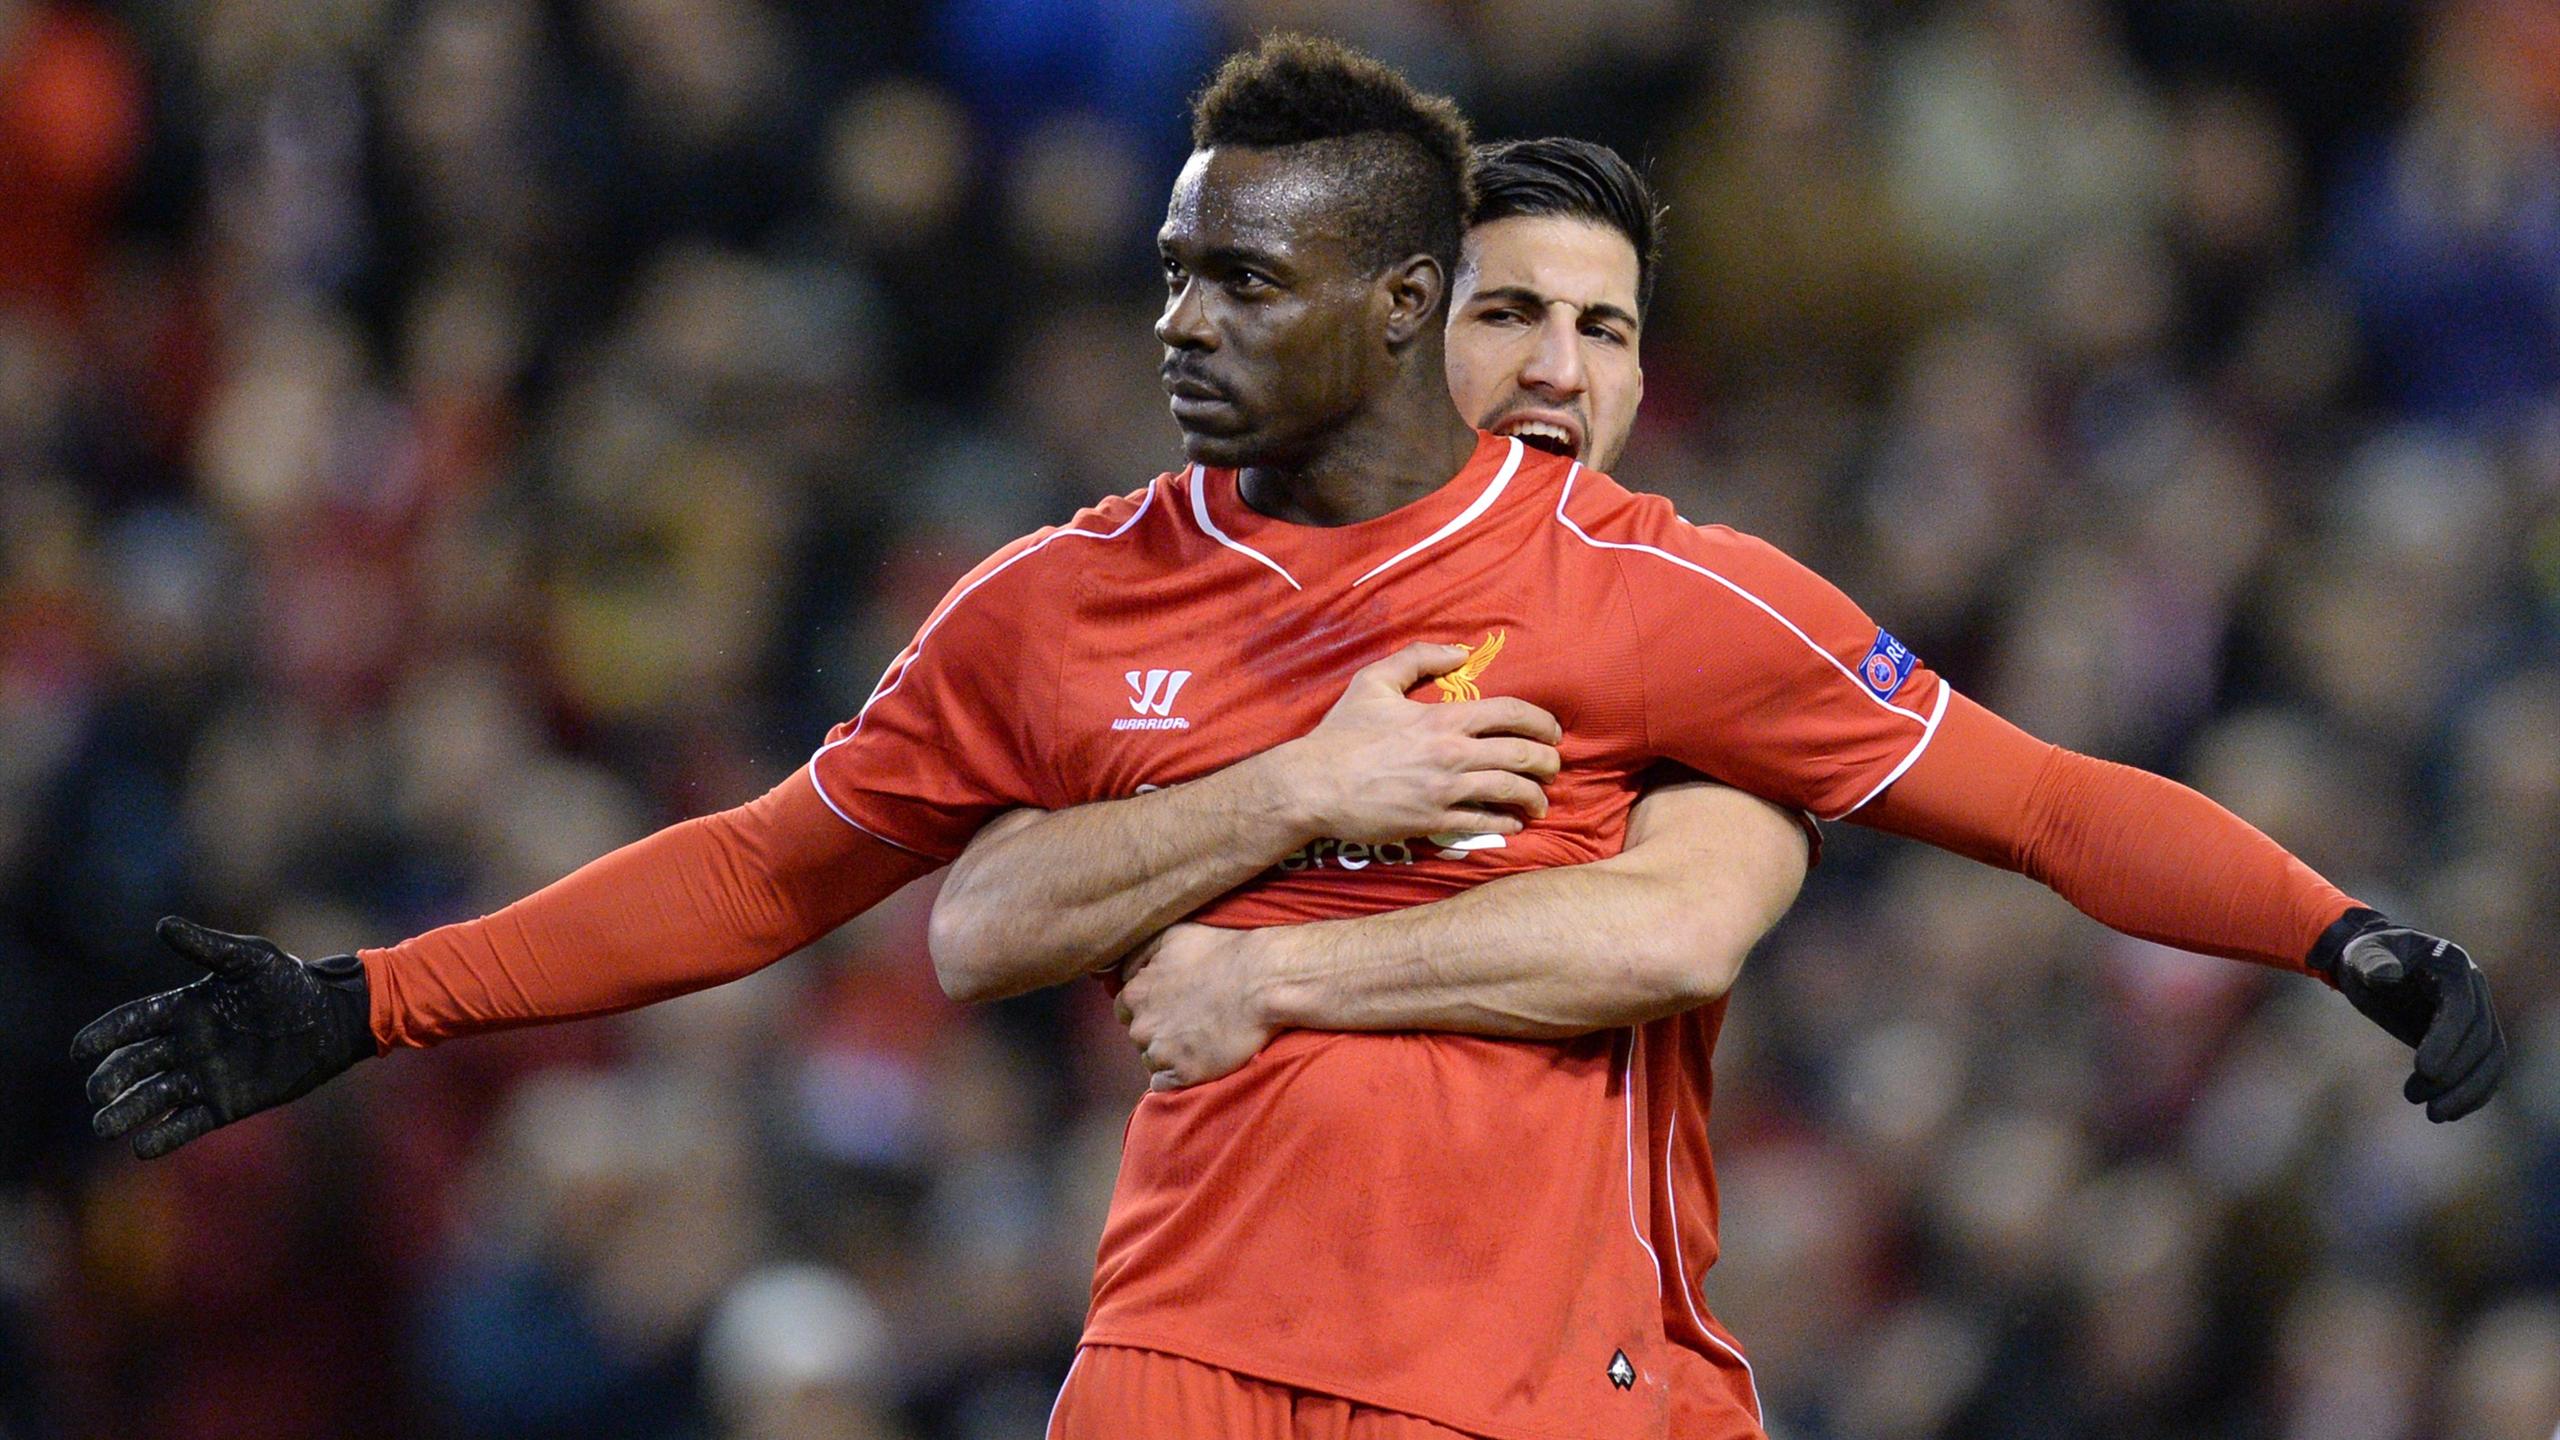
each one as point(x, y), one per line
point(1772, 611)
point(1209, 527)
point(1680, 1263)
point(907, 658)
point(1928, 733)
point(1627, 1089)
point(1928, 723)
point(1483, 502)
point(825, 800)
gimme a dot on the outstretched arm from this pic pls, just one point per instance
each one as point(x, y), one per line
point(2154, 859)
point(695, 905)
point(1658, 928)
point(2134, 851)
point(1040, 898)
point(1762, 673)
point(692, 906)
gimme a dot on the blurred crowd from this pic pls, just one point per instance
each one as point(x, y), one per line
point(441, 440)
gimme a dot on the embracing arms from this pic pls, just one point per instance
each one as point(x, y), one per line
point(1042, 897)
point(1661, 927)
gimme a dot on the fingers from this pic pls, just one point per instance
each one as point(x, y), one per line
point(1165, 1072)
point(124, 1069)
point(2456, 1076)
point(1504, 715)
point(173, 1132)
point(162, 1093)
point(1161, 1074)
point(1410, 666)
point(228, 955)
point(2459, 1024)
point(133, 1021)
point(1520, 757)
point(2372, 960)
point(2473, 1090)
point(1451, 828)
point(1492, 789)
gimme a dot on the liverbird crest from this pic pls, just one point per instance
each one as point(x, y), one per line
point(1460, 684)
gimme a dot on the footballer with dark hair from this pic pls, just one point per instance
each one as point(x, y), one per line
point(1836, 718)
point(1365, 1228)
point(1557, 222)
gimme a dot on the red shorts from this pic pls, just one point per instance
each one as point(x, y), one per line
point(1120, 1394)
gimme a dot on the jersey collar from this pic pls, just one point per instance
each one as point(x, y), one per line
point(1360, 552)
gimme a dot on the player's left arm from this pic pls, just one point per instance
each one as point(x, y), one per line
point(1661, 927)
point(2152, 858)
point(1761, 673)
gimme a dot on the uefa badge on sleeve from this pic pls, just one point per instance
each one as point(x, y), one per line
point(1886, 666)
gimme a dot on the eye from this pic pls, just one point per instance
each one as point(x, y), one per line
point(1605, 334)
point(1173, 272)
point(1507, 316)
point(1249, 283)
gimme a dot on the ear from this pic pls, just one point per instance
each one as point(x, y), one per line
point(1412, 290)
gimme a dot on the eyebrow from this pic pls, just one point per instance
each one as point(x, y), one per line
point(1232, 256)
point(1523, 295)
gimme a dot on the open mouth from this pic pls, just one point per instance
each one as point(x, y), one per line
point(1545, 437)
point(1552, 436)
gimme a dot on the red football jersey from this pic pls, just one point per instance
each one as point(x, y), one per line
point(1714, 1395)
point(1458, 1228)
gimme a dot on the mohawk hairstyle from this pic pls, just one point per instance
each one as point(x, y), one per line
point(1403, 154)
point(1575, 179)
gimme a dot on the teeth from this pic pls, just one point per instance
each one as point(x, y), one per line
point(1539, 429)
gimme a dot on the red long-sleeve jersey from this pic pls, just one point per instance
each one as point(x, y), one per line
point(1464, 1229)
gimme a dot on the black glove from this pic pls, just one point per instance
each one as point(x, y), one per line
point(2429, 995)
point(262, 1029)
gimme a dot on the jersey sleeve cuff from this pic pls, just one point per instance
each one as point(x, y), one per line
point(872, 825)
point(1928, 732)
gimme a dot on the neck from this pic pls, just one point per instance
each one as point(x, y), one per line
point(1395, 452)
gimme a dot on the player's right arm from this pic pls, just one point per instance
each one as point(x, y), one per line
point(1015, 915)
point(944, 744)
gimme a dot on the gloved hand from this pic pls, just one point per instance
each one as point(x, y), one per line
point(2427, 992)
point(262, 1029)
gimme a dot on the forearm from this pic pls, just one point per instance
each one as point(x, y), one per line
point(692, 906)
point(1497, 960)
point(1660, 928)
point(2139, 853)
point(1041, 898)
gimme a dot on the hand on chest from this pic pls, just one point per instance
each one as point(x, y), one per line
point(1190, 701)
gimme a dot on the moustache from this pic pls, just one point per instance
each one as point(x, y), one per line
point(1522, 404)
point(1190, 383)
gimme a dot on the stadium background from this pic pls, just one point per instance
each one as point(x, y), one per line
point(440, 441)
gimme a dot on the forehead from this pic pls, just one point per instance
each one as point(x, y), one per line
point(1559, 257)
point(1283, 201)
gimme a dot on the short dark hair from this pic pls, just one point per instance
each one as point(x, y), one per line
point(1403, 154)
point(1558, 175)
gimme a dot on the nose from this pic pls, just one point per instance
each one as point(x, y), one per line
point(1555, 361)
point(1184, 325)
